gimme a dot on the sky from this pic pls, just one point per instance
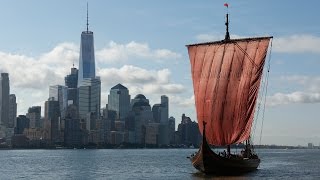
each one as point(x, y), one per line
point(141, 44)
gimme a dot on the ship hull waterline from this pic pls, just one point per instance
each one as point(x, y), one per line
point(208, 162)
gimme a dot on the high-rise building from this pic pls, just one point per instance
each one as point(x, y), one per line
point(119, 101)
point(172, 129)
point(60, 93)
point(89, 97)
point(22, 123)
point(142, 116)
point(161, 111)
point(189, 132)
point(4, 99)
point(34, 115)
point(71, 81)
point(160, 115)
point(12, 110)
point(52, 119)
point(164, 109)
point(73, 133)
point(156, 110)
point(87, 67)
point(89, 85)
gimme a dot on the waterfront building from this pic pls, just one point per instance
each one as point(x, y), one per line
point(71, 81)
point(52, 119)
point(22, 123)
point(188, 131)
point(72, 131)
point(4, 99)
point(172, 128)
point(87, 67)
point(141, 114)
point(89, 97)
point(152, 134)
point(12, 111)
point(60, 93)
point(164, 110)
point(34, 115)
point(161, 114)
point(119, 101)
point(89, 85)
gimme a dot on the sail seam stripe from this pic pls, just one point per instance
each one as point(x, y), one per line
point(242, 62)
point(244, 131)
point(218, 82)
point(200, 84)
point(229, 72)
point(209, 75)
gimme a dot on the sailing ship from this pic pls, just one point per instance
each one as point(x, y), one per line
point(226, 78)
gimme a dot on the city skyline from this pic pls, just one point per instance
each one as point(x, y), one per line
point(148, 55)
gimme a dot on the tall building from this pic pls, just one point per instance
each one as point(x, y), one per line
point(164, 109)
point(161, 115)
point(22, 123)
point(189, 132)
point(161, 111)
point(52, 119)
point(12, 110)
point(172, 129)
point(87, 67)
point(4, 99)
point(89, 85)
point(73, 133)
point(34, 115)
point(60, 93)
point(89, 94)
point(142, 116)
point(71, 81)
point(119, 101)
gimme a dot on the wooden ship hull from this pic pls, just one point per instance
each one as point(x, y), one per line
point(208, 162)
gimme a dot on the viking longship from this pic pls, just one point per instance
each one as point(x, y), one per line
point(226, 78)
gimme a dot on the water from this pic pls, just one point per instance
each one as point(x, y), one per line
point(145, 164)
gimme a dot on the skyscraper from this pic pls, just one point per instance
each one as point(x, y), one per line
point(52, 120)
point(89, 94)
point(4, 99)
point(89, 85)
point(60, 93)
point(87, 67)
point(34, 115)
point(12, 110)
point(119, 101)
point(71, 81)
point(164, 109)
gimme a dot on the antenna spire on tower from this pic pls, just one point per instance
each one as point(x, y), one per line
point(87, 18)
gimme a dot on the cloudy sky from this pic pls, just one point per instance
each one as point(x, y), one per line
point(141, 44)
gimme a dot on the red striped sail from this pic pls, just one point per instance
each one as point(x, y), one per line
point(226, 79)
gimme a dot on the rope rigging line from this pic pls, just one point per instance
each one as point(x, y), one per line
point(266, 92)
point(247, 55)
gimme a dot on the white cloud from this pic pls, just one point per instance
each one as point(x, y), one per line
point(140, 80)
point(307, 90)
point(297, 44)
point(295, 97)
point(183, 102)
point(30, 77)
point(123, 52)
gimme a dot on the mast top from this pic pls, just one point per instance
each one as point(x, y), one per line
point(227, 37)
point(87, 18)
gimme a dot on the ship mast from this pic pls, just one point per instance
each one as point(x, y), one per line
point(227, 37)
